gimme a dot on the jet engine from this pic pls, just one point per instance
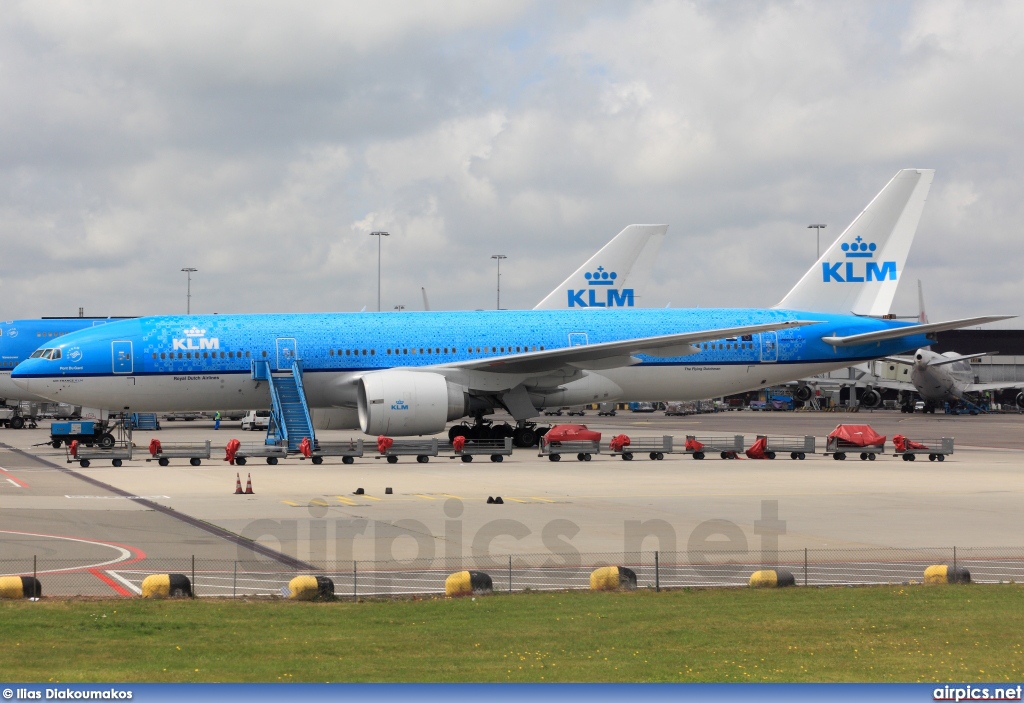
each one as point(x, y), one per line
point(803, 393)
point(403, 403)
point(870, 398)
point(1020, 400)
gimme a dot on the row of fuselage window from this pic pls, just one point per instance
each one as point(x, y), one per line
point(354, 352)
point(443, 350)
point(406, 351)
point(342, 352)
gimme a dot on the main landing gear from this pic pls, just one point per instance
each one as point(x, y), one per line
point(524, 434)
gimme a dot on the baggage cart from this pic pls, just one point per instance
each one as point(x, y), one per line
point(497, 449)
point(655, 447)
point(854, 439)
point(85, 455)
point(195, 452)
point(839, 448)
point(583, 449)
point(422, 449)
point(251, 450)
point(796, 447)
point(728, 447)
point(349, 451)
point(936, 449)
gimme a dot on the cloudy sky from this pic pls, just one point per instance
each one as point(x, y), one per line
point(262, 142)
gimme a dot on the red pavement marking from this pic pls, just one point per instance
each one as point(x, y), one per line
point(121, 590)
point(21, 484)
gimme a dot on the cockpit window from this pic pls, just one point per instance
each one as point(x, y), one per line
point(56, 354)
point(37, 353)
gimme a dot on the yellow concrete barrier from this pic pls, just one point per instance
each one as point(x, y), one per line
point(940, 573)
point(464, 583)
point(771, 578)
point(612, 578)
point(166, 586)
point(311, 588)
point(20, 587)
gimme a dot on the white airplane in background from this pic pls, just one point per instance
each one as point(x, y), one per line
point(937, 378)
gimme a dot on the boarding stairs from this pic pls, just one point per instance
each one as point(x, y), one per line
point(290, 419)
point(145, 421)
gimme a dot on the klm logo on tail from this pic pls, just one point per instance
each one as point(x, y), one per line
point(613, 298)
point(852, 272)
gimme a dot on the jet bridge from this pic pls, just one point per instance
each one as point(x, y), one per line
point(290, 419)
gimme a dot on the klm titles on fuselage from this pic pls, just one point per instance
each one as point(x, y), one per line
point(195, 339)
point(851, 273)
point(613, 298)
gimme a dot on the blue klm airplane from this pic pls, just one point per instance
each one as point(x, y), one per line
point(19, 339)
point(409, 374)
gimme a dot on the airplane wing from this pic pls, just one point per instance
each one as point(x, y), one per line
point(910, 330)
point(615, 354)
point(954, 359)
point(979, 387)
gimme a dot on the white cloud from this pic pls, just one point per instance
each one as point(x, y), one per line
point(261, 143)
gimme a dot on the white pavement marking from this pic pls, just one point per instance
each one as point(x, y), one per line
point(124, 554)
point(122, 497)
point(14, 483)
point(125, 582)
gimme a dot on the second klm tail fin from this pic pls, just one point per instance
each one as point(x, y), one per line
point(859, 273)
point(599, 282)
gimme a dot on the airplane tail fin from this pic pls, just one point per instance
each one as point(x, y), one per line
point(859, 273)
point(922, 316)
point(614, 261)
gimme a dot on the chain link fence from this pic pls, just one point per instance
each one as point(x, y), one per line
point(522, 572)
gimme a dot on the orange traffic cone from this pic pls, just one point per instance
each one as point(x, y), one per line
point(238, 485)
point(248, 485)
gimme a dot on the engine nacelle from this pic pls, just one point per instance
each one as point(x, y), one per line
point(871, 398)
point(402, 403)
point(803, 393)
point(1020, 400)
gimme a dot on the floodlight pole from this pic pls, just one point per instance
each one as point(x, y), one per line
point(819, 228)
point(499, 257)
point(188, 300)
point(378, 235)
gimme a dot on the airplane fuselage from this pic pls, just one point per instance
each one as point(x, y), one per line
point(205, 362)
point(939, 384)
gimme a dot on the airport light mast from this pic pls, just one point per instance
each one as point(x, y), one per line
point(819, 228)
point(188, 299)
point(379, 236)
point(499, 257)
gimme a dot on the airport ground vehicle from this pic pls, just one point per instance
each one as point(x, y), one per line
point(256, 420)
point(85, 432)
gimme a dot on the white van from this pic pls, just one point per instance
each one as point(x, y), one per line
point(256, 420)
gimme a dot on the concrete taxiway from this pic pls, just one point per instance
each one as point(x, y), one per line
point(606, 506)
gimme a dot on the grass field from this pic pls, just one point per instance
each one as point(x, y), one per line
point(895, 633)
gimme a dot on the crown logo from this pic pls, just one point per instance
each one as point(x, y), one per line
point(601, 277)
point(195, 332)
point(859, 249)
